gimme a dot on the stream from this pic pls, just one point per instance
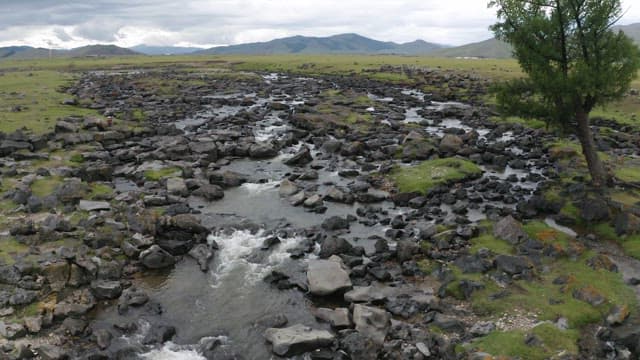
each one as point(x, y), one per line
point(230, 302)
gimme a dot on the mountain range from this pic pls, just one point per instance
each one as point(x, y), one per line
point(337, 44)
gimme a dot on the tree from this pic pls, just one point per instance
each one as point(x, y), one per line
point(573, 59)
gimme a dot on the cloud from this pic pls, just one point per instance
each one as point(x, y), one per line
point(208, 22)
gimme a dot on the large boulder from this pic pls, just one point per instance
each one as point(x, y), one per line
point(288, 188)
point(327, 277)
point(262, 151)
point(106, 290)
point(594, 209)
point(334, 246)
point(301, 158)
point(450, 144)
point(210, 192)
point(156, 258)
point(513, 265)
point(335, 223)
point(372, 322)
point(510, 229)
point(297, 339)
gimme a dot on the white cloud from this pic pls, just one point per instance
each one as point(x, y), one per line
point(206, 22)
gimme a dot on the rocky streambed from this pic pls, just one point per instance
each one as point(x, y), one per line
point(264, 216)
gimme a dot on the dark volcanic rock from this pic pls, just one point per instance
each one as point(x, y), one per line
point(156, 258)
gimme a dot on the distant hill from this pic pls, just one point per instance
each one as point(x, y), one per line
point(27, 52)
point(494, 48)
point(632, 31)
point(164, 50)
point(337, 44)
point(491, 48)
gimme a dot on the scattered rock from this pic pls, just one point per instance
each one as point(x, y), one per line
point(326, 277)
point(156, 258)
point(297, 339)
point(371, 322)
point(511, 230)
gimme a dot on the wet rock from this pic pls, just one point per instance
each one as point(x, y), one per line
point(335, 223)
point(159, 334)
point(132, 297)
point(511, 230)
point(450, 144)
point(288, 188)
point(301, 158)
point(273, 321)
point(297, 339)
point(313, 201)
point(326, 277)
point(335, 246)
point(336, 195)
point(203, 255)
point(371, 322)
point(298, 198)
point(102, 338)
point(177, 186)
point(87, 205)
point(156, 258)
point(209, 192)
point(106, 290)
point(338, 318)
point(262, 151)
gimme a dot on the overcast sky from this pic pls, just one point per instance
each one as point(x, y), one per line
point(205, 23)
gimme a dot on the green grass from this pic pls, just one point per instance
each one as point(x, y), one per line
point(492, 243)
point(9, 248)
point(512, 343)
point(530, 123)
point(100, 191)
point(155, 175)
point(39, 96)
point(536, 295)
point(429, 174)
point(45, 186)
point(629, 174)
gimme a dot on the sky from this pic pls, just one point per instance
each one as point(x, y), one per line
point(207, 23)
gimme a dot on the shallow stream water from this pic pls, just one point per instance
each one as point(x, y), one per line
point(228, 300)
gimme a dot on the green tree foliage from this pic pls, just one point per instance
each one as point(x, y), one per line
point(574, 62)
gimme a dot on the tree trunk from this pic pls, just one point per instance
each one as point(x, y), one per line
point(596, 169)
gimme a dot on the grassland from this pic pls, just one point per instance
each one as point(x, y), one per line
point(429, 174)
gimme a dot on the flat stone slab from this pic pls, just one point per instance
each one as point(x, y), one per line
point(297, 339)
point(87, 205)
point(326, 277)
